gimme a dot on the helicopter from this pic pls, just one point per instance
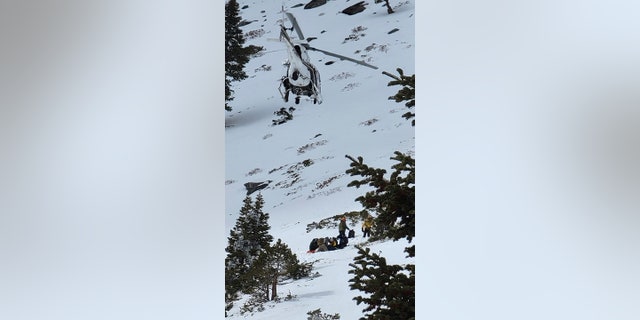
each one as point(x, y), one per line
point(302, 77)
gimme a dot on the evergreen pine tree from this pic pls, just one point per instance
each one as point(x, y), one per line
point(253, 265)
point(390, 289)
point(248, 239)
point(276, 263)
point(319, 315)
point(236, 56)
point(393, 199)
point(407, 93)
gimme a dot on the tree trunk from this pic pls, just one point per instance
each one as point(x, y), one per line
point(274, 288)
point(389, 10)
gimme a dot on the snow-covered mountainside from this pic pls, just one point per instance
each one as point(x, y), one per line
point(303, 159)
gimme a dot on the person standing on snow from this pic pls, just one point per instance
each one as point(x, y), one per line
point(366, 227)
point(342, 227)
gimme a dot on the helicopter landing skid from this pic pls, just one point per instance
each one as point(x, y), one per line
point(312, 95)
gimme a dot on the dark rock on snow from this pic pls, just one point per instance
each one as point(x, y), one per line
point(315, 3)
point(356, 8)
point(245, 22)
point(255, 186)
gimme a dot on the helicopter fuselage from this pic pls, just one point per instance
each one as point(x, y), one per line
point(302, 77)
point(298, 70)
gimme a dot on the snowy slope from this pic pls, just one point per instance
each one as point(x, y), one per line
point(356, 118)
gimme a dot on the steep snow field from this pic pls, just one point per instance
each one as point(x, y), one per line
point(356, 118)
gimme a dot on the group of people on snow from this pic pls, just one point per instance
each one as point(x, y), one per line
point(327, 244)
point(333, 243)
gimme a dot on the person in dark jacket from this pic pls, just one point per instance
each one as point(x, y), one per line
point(313, 245)
point(342, 242)
point(342, 227)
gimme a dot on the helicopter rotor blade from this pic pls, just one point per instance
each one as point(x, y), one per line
point(341, 57)
point(284, 35)
point(296, 27)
